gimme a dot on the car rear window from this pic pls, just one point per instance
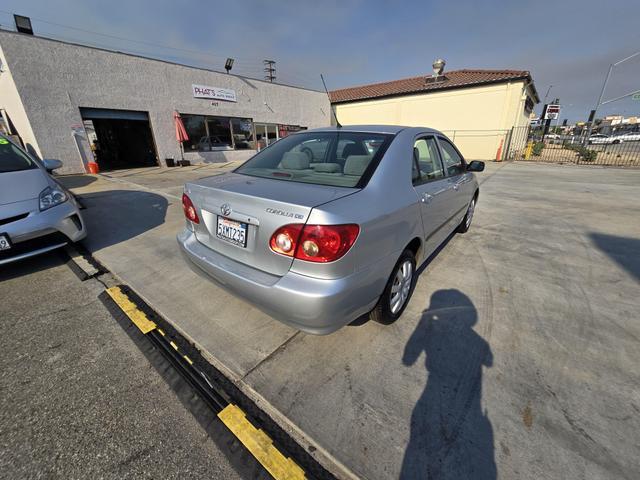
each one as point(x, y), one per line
point(338, 159)
point(12, 159)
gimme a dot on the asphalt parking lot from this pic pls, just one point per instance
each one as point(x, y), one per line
point(79, 398)
point(517, 354)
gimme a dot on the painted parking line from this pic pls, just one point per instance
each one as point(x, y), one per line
point(260, 445)
point(128, 307)
point(256, 441)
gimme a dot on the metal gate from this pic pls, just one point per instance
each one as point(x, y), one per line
point(524, 143)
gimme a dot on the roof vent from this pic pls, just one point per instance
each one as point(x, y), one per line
point(438, 68)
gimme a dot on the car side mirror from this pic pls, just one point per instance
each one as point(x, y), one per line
point(475, 166)
point(51, 164)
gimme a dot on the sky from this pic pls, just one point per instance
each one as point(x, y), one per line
point(567, 44)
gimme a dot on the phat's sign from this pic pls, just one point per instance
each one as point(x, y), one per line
point(215, 93)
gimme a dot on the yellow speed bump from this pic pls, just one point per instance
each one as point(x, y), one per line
point(260, 445)
point(128, 307)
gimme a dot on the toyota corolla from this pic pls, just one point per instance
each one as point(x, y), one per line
point(328, 225)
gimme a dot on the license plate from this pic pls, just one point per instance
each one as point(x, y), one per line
point(232, 231)
point(4, 242)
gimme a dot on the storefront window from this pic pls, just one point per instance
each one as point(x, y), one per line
point(242, 129)
point(194, 125)
point(217, 133)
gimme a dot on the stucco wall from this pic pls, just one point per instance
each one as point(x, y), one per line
point(12, 104)
point(54, 79)
point(476, 118)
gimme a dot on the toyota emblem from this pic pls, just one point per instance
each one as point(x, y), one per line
point(226, 209)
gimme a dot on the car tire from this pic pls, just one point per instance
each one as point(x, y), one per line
point(465, 225)
point(615, 142)
point(387, 310)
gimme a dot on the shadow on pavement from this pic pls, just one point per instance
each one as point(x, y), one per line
point(32, 265)
point(76, 181)
point(115, 216)
point(624, 251)
point(451, 437)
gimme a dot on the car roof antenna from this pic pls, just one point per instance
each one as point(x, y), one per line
point(330, 106)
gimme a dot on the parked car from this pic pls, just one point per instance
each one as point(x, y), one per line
point(37, 214)
point(600, 139)
point(628, 137)
point(320, 246)
point(207, 144)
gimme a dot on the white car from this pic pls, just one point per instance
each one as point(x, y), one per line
point(628, 137)
point(602, 139)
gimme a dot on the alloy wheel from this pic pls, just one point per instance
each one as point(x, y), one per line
point(401, 286)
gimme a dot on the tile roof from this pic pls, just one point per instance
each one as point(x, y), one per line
point(413, 85)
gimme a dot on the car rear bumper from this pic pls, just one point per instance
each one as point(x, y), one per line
point(40, 232)
point(314, 305)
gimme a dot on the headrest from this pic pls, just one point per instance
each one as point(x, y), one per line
point(295, 161)
point(356, 164)
point(327, 168)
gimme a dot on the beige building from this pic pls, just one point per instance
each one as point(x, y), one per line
point(477, 109)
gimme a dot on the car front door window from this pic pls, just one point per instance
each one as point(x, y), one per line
point(453, 162)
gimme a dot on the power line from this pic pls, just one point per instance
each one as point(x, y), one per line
point(143, 42)
point(201, 58)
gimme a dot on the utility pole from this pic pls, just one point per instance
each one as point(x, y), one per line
point(604, 86)
point(270, 70)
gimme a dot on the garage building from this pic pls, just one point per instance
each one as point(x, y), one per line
point(478, 109)
point(78, 104)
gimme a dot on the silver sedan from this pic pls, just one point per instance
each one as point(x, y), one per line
point(317, 241)
point(36, 213)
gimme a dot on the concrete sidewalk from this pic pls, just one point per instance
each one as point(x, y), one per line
point(517, 355)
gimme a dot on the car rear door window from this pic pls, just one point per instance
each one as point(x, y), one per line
point(426, 161)
point(453, 162)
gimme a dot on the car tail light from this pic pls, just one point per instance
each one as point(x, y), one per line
point(189, 209)
point(314, 243)
point(285, 239)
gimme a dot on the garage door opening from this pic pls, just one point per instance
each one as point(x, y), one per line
point(120, 138)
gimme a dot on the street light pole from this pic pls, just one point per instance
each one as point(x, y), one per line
point(604, 86)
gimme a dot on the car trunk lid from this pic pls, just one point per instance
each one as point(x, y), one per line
point(262, 205)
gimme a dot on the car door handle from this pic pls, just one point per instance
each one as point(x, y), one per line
point(426, 198)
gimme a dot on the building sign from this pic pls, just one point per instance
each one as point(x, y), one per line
point(214, 93)
point(553, 112)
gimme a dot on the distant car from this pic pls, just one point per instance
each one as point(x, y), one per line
point(37, 214)
point(602, 139)
point(208, 144)
point(318, 245)
point(552, 136)
point(629, 137)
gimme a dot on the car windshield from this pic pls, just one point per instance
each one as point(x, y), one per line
point(339, 159)
point(12, 159)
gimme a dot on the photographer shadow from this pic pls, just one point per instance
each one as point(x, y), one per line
point(451, 437)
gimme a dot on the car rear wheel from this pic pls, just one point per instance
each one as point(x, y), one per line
point(396, 295)
point(465, 225)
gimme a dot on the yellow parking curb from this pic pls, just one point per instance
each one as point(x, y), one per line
point(260, 445)
point(128, 307)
